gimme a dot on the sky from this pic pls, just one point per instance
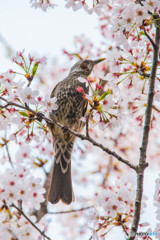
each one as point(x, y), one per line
point(47, 34)
point(43, 33)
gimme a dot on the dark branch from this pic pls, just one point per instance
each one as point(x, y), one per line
point(24, 215)
point(7, 150)
point(14, 237)
point(87, 122)
point(140, 2)
point(81, 136)
point(149, 38)
point(146, 129)
point(156, 109)
point(143, 74)
point(71, 211)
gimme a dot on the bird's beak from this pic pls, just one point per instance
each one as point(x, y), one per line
point(98, 60)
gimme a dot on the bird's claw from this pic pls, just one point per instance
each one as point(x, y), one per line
point(65, 129)
point(40, 116)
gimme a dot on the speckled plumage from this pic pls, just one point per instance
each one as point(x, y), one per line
point(71, 107)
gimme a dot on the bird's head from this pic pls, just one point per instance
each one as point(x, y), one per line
point(85, 67)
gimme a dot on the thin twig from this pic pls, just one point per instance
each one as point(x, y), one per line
point(81, 136)
point(71, 211)
point(7, 150)
point(149, 38)
point(24, 215)
point(143, 74)
point(87, 122)
point(14, 237)
point(9, 156)
point(155, 108)
point(124, 229)
point(146, 129)
point(139, 1)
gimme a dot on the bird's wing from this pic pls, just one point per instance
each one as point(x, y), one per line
point(59, 84)
point(53, 91)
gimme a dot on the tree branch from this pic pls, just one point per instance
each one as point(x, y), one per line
point(156, 109)
point(146, 129)
point(7, 150)
point(71, 211)
point(81, 136)
point(150, 39)
point(9, 156)
point(14, 237)
point(43, 209)
point(87, 123)
point(140, 2)
point(143, 74)
point(24, 215)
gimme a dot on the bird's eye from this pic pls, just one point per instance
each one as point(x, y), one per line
point(84, 65)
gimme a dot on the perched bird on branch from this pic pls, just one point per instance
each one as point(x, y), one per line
point(71, 107)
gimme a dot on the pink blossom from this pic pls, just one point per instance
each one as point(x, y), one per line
point(31, 59)
point(44, 5)
point(18, 56)
point(151, 5)
point(7, 77)
point(19, 185)
point(140, 15)
point(42, 60)
point(157, 197)
point(50, 103)
point(3, 122)
point(96, 116)
point(127, 16)
point(28, 95)
point(108, 102)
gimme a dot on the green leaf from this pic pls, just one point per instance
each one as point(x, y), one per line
point(24, 114)
point(34, 69)
point(102, 97)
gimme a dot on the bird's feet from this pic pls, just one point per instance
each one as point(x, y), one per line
point(65, 129)
point(40, 116)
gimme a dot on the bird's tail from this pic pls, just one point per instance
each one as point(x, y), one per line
point(61, 182)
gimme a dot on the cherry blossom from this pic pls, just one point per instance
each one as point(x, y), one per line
point(157, 198)
point(43, 4)
point(19, 186)
point(7, 77)
point(42, 60)
point(28, 95)
point(151, 5)
point(18, 56)
point(50, 103)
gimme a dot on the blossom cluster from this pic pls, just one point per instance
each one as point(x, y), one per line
point(21, 185)
point(157, 204)
point(42, 4)
point(114, 207)
point(15, 226)
point(19, 189)
point(16, 91)
point(122, 8)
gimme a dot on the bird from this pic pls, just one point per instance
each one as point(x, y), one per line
point(72, 106)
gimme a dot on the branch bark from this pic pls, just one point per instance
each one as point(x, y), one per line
point(81, 136)
point(146, 129)
point(71, 211)
point(24, 215)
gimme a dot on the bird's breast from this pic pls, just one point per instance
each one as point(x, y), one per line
point(70, 105)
